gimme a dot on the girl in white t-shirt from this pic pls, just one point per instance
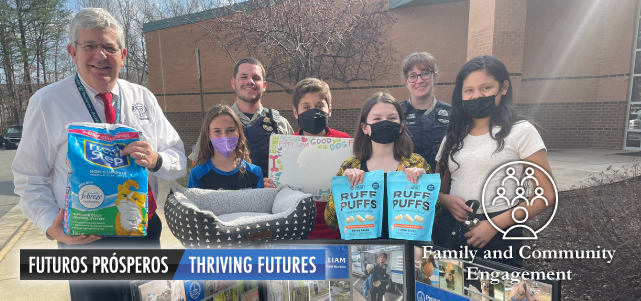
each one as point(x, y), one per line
point(484, 133)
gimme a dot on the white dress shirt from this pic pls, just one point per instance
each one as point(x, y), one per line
point(39, 168)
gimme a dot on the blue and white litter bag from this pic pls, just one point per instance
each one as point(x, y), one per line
point(411, 206)
point(106, 191)
point(359, 209)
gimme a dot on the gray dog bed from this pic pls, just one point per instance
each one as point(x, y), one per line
point(202, 218)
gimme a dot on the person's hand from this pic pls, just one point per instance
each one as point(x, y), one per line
point(456, 206)
point(355, 176)
point(268, 183)
point(481, 234)
point(141, 152)
point(413, 173)
point(56, 232)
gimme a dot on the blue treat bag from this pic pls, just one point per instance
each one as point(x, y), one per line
point(411, 206)
point(106, 191)
point(359, 209)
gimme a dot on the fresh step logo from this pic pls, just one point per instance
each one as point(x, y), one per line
point(106, 155)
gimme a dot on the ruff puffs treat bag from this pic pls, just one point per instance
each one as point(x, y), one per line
point(359, 209)
point(411, 206)
point(106, 191)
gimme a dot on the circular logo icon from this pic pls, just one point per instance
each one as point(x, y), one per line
point(194, 290)
point(375, 185)
point(510, 175)
point(420, 296)
point(91, 196)
point(430, 187)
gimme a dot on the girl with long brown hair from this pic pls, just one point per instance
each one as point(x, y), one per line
point(382, 142)
point(223, 162)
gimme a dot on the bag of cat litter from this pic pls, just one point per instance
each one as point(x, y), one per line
point(359, 209)
point(106, 191)
point(411, 206)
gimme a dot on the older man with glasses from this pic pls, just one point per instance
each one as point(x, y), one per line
point(425, 117)
point(93, 94)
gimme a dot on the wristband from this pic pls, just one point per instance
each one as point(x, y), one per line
point(158, 165)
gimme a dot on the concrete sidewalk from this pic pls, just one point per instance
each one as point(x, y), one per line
point(569, 168)
point(572, 167)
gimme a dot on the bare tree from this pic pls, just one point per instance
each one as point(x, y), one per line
point(340, 40)
point(132, 14)
point(27, 36)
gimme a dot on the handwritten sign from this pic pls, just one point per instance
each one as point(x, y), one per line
point(307, 163)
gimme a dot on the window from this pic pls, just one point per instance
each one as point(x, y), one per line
point(633, 130)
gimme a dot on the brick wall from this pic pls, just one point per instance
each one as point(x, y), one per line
point(579, 125)
point(187, 124)
point(582, 40)
point(172, 63)
point(570, 62)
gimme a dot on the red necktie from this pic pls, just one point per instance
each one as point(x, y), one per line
point(110, 116)
point(110, 112)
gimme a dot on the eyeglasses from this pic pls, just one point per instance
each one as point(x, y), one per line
point(92, 47)
point(412, 78)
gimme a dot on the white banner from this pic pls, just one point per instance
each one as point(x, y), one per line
point(307, 163)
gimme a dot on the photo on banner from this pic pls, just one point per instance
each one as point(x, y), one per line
point(163, 290)
point(425, 269)
point(478, 283)
point(298, 290)
point(336, 267)
point(451, 275)
point(370, 279)
point(213, 287)
point(247, 290)
point(340, 290)
point(319, 290)
point(528, 290)
point(276, 290)
point(228, 295)
point(307, 163)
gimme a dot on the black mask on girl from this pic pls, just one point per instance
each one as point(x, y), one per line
point(313, 121)
point(385, 131)
point(481, 107)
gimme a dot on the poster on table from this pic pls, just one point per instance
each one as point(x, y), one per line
point(307, 163)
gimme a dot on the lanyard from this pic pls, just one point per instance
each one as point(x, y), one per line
point(89, 105)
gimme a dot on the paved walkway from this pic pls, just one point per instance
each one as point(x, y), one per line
point(569, 168)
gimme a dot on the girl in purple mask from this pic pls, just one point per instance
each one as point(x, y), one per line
point(224, 162)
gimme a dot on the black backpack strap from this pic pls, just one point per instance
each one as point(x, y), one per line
point(404, 105)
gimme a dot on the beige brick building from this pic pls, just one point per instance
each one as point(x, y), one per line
point(570, 61)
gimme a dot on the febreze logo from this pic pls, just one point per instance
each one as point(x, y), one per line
point(106, 155)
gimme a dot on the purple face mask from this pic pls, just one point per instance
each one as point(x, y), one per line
point(224, 145)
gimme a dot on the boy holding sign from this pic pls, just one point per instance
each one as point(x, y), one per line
point(312, 108)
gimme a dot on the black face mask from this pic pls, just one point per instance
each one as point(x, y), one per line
point(481, 107)
point(385, 131)
point(313, 121)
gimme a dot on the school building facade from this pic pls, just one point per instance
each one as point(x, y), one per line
point(571, 64)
